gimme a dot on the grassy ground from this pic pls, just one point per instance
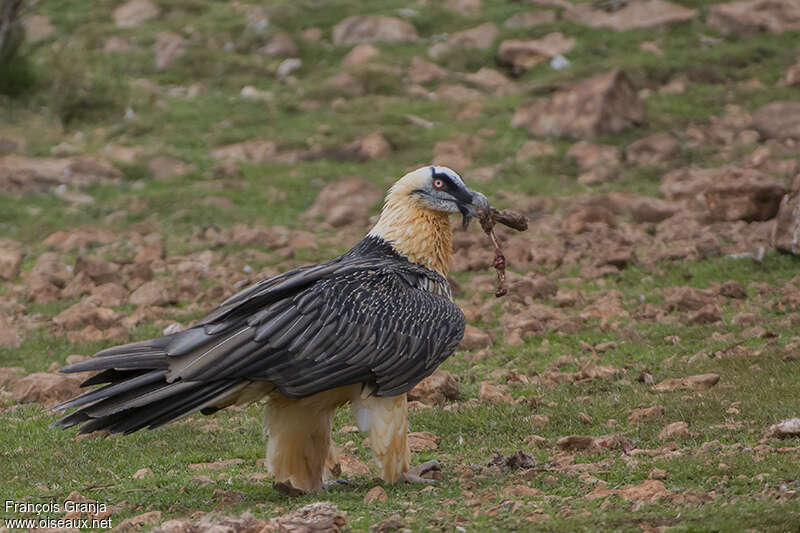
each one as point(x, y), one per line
point(722, 476)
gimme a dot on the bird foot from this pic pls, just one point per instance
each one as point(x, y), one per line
point(335, 483)
point(427, 472)
point(287, 488)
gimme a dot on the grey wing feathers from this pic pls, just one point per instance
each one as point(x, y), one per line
point(356, 319)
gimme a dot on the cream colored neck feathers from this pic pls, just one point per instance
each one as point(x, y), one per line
point(422, 235)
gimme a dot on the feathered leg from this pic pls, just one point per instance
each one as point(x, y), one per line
point(300, 452)
point(386, 422)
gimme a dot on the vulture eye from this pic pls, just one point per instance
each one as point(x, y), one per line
point(438, 184)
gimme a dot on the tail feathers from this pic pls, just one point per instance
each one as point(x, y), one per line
point(113, 389)
point(140, 404)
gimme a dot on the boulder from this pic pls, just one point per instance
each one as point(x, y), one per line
point(480, 37)
point(786, 235)
point(256, 150)
point(345, 202)
point(169, 47)
point(751, 16)
point(778, 120)
point(373, 28)
point(653, 150)
point(422, 71)
point(280, 45)
point(359, 55)
point(10, 260)
point(524, 55)
point(37, 174)
point(46, 388)
point(529, 19)
point(134, 12)
point(605, 103)
point(633, 15)
point(743, 194)
point(435, 389)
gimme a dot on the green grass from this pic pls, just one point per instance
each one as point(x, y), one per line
point(67, 89)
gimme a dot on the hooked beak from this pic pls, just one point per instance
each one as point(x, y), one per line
point(473, 209)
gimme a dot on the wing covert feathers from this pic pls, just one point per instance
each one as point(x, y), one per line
point(369, 316)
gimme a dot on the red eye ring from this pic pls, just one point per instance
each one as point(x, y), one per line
point(438, 184)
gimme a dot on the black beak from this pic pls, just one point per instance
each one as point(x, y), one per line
point(477, 204)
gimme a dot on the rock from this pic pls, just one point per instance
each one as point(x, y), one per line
point(322, 517)
point(706, 315)
point(359, 55)
point(372, 146)
point(786, 234)
point(99, 270)
point(751, 16)
point(532, 288)
point(37, 28)
point(345, 202)
point(8, 334)
point(375, 494)
point(464, 7)
point(422, 441)
point(583, 218)
point(605, 103)
point(779, 120)
point(10, 260)
point(676, 430)
point(698, 382)
point(137, 523)
point(347, 84)
point(488, 79)
point(373, 28)
point(524, 55)
point(646, 414)
point(646, 491)
point(641, 208)
point(435, 389)
point(590, 155)
point(733, 289)
point(163, 167)
point(475, 338)
point(256, 150)
point(288, 67)
point(169, 48)
point(134, 12)
point(116, 44)
point(584, 443)
point(388, 525)
point(633, 15)
point(151, 293)
point(480, 37)
point(515, 461)
point(143, 473)
point(85, 313)
point(490, 393)
point(39, 174)
point(458, 93)
point(422, 71)
point(281, 45)
point(352, 465)
point(456, 153)
point(530, 19)
point(539, 421)
point(743, 194)
point(46, 388)
point(10, 374)
point(687, 298)
point(657, 473)
point(534, 149)
point(653, 150)
point(783, 430)
point(792, 77)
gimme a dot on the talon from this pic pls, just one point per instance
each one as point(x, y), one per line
point(334, 483)
point(427, 472)
point(287, 488)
